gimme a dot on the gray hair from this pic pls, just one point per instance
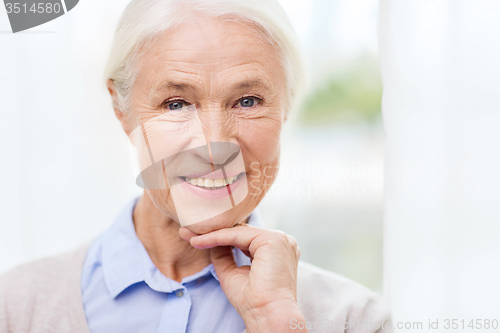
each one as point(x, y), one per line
point(143, 20)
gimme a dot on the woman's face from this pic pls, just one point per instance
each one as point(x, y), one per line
point(206, 112)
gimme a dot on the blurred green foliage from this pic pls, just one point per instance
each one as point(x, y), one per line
point(348, 96)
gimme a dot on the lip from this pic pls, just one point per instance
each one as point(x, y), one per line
point(216, 193)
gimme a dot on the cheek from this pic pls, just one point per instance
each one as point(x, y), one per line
point(261, 137)
point(260, 140)
point(164, 135)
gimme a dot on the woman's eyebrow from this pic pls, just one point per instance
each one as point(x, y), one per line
point(171, 85)
point(181, 86)
point(256, 83)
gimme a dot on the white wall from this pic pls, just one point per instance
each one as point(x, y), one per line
point(441, 72)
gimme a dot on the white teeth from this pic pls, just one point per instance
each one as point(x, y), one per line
point(211, 183)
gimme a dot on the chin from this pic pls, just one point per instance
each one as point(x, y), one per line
point(225, 220)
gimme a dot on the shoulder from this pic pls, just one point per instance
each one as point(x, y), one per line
point(41, 272)
point(44, 284)
point(327, 298)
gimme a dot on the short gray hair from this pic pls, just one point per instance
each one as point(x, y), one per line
point(143, 20)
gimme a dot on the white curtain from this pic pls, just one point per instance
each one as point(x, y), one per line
point(440, 63)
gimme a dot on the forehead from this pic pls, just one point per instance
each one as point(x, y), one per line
point(210, 51)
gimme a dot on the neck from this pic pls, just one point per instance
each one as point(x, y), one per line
point(159, 234)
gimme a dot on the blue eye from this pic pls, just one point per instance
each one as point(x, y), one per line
point(175, 106)
point(247, 102)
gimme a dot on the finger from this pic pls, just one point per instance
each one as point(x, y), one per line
point(240, 237)
point(223, 260)
point(186, 234)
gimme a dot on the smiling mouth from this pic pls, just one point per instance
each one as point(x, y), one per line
point(211, 184)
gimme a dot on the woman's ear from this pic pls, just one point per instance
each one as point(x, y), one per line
point(120, 114)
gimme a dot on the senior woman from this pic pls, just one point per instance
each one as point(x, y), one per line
point(202, 89)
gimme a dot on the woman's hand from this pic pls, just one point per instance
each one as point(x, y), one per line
point(265, 293)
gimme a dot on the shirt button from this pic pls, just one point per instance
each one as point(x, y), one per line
point(179, 293)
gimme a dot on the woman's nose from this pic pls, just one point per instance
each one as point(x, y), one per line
point(223, 153)
point(214, 155)
point(220, 134)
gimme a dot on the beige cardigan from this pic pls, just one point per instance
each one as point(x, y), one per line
point(44, 296)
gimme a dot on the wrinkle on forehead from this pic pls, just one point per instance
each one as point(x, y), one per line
point(206, 51)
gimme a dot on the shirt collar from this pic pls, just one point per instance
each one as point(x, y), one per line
point(121, 262)
point(125, 261)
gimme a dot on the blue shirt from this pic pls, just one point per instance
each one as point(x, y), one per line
point(123, 291)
